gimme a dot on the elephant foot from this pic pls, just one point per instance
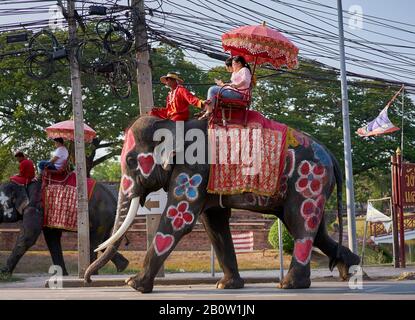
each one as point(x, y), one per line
point(230, 283)
point(5, 274)
point(291, 281)
point(346, 260)
point(139, 285)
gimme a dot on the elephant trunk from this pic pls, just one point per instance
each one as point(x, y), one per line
point(113, 242)
point(103, 259)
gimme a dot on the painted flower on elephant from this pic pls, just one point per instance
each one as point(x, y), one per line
point(311, 179)
point(187, 186)
point(180, 215)
point(312, 211)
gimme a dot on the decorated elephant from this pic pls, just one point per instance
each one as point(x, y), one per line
point(308, 177)
point(25, 204)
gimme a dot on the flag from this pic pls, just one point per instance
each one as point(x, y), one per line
point(381, 125)
point(374, 215)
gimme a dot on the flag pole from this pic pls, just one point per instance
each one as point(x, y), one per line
point(403, 108)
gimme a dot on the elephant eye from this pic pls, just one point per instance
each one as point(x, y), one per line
point(131, 161)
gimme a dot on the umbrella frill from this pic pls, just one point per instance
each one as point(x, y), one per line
point(66, 130)
point(262, 45)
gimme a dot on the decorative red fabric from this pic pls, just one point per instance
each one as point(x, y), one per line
point(229, 177)
point(177, 105)
point(26, 172)
point(60, 203)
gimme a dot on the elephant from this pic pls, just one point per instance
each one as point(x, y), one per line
point(25, 204)
point(311, 172)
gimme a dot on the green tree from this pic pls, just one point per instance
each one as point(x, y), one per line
point(28, 106)
point(287, 239)
point(107, 171)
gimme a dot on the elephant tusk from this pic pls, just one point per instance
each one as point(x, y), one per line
point(124, 227)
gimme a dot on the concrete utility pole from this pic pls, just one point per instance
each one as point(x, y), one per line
point(145, 93)
point(82, 208)
point(351, 219)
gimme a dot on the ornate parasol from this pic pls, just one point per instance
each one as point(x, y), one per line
point(66, 130)
point(261, 44)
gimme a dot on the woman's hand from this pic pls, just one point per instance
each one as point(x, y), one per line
point(219, 82)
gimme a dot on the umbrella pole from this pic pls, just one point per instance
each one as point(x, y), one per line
point(253, 70)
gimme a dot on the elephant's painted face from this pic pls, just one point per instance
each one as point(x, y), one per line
point(13, 200)
point(142, 169)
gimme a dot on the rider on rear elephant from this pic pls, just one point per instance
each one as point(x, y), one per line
point(18, 202)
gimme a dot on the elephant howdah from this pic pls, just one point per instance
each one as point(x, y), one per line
point(60, 202)
point(26, 204)
point(174, 156)
point(247, 158)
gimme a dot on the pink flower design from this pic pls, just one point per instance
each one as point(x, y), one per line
point(180, 215)
point(312, 211)
point(310, 181)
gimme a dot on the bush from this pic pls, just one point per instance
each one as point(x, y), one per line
point(287, 239)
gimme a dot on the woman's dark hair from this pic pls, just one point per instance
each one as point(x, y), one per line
point(228, 62)
point(242, 61)
point(60, 140)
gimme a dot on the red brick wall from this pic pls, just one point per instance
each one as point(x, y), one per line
point(197, 240)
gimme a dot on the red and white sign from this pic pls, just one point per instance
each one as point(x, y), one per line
point(243, 242)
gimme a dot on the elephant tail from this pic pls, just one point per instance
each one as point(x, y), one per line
point(339, 182)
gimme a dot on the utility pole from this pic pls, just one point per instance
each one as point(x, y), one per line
point(82, 197)
point(144, 79)
point(145, 93)
point(351, 218)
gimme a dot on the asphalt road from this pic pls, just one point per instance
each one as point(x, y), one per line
point(382, 290)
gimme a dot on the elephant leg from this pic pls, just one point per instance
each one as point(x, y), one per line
point(53, 241)
point(303, 230)
point(216, 222)
point(120, 262)
point(176, 221)
point(29, 233)
point(344, 259)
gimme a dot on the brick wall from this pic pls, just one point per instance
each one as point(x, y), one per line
point(197, 240)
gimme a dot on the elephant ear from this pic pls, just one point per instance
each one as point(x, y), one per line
point(20, 198)
point(170, 137)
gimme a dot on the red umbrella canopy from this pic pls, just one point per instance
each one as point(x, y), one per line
point(261, 44)
point(66, 130)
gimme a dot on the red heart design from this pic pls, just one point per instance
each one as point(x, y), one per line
point(163, 243)
point(129, 144)
point(302, 250)
point(146, 163)
point(127, 183)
